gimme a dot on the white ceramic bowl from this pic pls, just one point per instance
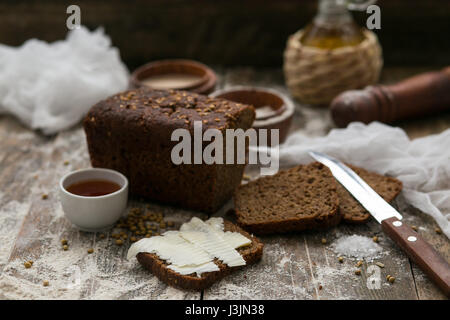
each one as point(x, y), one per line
point(93, 213)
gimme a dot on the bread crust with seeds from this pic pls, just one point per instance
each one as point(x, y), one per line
point(158, 267)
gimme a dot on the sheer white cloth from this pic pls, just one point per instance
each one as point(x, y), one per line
point(50, 86)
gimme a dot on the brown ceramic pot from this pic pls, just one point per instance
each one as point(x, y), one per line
point(280, 115)
point(206, 77)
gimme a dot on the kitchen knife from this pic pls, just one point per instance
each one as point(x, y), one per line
point(420, 251)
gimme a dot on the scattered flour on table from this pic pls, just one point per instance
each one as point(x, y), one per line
point(274, 277)
point(358, 247)
point(334, 280)
point(12, 214)
point(78, 275)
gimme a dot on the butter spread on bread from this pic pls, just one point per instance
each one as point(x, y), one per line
point(194, 248)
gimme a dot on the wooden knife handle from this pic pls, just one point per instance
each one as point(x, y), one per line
point(420, 251)
point(420, 95)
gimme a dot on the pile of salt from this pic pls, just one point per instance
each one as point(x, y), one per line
point(358, 247)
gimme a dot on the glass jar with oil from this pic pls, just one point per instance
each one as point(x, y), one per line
point(333, 27)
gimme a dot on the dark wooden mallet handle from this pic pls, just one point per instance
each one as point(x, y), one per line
point(417, 96)
point(420, 251)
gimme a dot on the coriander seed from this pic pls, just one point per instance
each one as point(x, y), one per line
point(27, 264)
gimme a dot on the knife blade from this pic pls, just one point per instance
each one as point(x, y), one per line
point(420, 251)
point(369, 199)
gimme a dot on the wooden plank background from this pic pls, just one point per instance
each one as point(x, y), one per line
point(226, 32)
point(295, 266)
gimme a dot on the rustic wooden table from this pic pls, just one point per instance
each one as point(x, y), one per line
point(295, 266)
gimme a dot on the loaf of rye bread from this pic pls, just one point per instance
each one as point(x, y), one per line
point(251, 254)
point(300, 198)
point(131, 132)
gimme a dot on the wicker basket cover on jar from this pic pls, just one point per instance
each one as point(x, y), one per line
point(315, 76)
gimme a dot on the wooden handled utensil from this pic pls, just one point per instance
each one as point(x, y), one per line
point(417, 96)
point(421, 252)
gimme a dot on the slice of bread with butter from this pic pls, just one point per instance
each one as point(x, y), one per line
point(199, 254)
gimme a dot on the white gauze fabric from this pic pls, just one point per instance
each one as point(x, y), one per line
point(423, 164)
point(50, 86)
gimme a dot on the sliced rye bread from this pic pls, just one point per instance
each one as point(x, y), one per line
point(158, 267)
point(388, 188)
point(300, 198)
